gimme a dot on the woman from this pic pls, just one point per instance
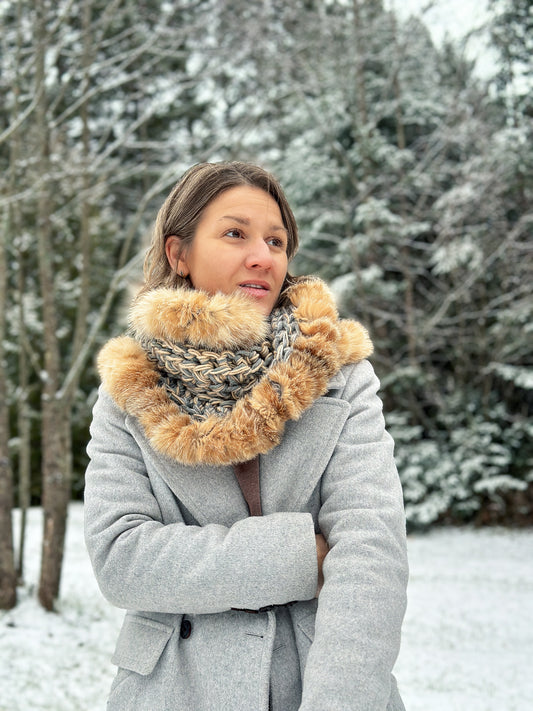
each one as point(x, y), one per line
point(237, 431)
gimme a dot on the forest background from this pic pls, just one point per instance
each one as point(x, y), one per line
point(411, 179)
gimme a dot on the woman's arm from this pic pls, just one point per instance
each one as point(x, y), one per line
point(142, 564)
point(362, 602)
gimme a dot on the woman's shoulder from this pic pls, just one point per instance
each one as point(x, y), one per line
point(353, 377)
point(105, 408)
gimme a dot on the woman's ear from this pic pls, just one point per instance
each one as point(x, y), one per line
point(176, 261)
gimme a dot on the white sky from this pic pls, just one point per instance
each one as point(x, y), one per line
point(454, 18)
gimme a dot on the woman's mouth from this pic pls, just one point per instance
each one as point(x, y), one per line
point(255, 289)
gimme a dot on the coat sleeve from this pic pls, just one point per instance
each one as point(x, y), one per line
point(142, 563)
point(362, 603)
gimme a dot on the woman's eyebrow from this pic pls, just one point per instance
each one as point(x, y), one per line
point(246, 221)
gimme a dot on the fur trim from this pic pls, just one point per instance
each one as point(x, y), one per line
point(256, 423)
point(216, 322)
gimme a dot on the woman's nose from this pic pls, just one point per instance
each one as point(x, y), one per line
point(258, 255)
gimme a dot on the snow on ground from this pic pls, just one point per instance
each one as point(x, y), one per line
point(58, 662)
point(467, 640)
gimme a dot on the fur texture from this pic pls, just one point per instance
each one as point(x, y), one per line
point(257, 421)
point(203, 321)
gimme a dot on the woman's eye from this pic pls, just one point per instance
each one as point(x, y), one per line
point(233, 233)
point(276, 242)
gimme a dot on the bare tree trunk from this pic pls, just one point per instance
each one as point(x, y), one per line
point(359, 65)
point(24, 433)
point(56, 496)
point(404, 254)
point(8, 579)
point(58, 393)
point(15, 221)
point(56, 484)
point(84, 241)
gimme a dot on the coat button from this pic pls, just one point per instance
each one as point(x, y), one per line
point(185, 629)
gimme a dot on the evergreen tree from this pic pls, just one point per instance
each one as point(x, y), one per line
point(512, 34)
point(388, 149)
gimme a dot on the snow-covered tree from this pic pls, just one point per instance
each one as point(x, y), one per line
point(106, 107)
point(405, 180)
point(512, 36)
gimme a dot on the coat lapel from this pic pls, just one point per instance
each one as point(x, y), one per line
point(210, 493)
point(291, 471)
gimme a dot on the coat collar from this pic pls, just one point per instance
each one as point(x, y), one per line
point(256, 424)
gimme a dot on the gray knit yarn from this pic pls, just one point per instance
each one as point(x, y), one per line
point(203, 382)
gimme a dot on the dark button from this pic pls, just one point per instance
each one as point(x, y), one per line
point(185, 629)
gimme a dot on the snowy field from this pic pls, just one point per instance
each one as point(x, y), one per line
point(467, 643)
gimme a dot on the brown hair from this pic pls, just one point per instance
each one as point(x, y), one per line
point(180, 213)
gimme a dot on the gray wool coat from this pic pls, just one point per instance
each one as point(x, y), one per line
point(174, 545)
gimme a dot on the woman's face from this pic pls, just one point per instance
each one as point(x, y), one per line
point(240, 244)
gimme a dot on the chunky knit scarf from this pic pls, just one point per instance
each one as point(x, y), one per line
point(205, 382)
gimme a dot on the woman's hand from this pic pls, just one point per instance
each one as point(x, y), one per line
point(322, 549)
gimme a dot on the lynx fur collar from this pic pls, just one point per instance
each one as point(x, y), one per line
point(256, 423)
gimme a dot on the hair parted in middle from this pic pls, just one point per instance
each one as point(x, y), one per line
point(183, 208)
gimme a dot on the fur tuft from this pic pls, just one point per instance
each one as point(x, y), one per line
point(216, 322)
point(124, 370)
point(313, 301)
point(354, 341)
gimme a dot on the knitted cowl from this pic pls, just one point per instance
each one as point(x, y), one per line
point(204, 382)
point(219, 322)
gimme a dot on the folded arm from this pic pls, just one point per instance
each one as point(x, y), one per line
point(363, 599)
point(143, 563)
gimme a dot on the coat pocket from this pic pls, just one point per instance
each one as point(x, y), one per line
point(140, 644)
